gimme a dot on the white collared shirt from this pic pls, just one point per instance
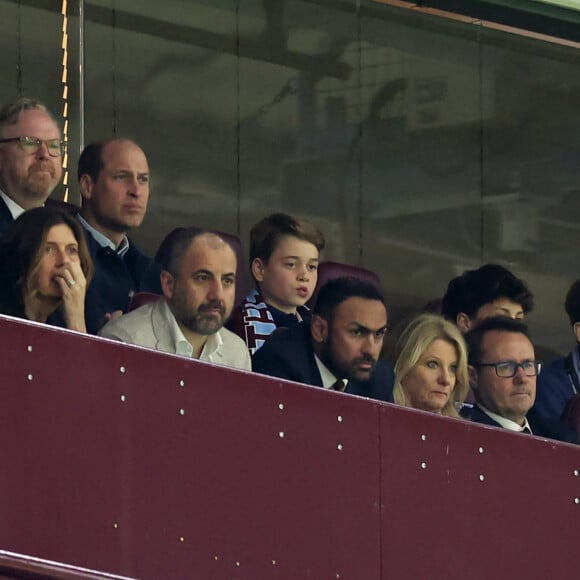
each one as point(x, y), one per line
point(103, 241)
point(328, 378)
point(182, 345)
point(12, 206)
point(506, 423)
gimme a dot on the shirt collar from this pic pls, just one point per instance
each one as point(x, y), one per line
point(12, 206)
point(103, 241)
point(182, 345)
point(328, 378)
point(506, 423)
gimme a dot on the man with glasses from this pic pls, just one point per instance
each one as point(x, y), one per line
point(31, 152)
point(503, 373)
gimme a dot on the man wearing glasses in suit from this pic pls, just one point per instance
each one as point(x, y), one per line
point(31, 152)
point(503, 373)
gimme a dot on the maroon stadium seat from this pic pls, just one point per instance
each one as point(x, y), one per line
point(330, 270)
point(571, 414)
point(142, 298)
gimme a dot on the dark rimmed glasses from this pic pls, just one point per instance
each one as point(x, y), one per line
point(30, 145)
point(508, 368)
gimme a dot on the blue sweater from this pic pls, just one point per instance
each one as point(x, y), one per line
point(115, 279)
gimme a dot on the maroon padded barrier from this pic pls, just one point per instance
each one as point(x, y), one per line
point(149, 465)
point(477, 502)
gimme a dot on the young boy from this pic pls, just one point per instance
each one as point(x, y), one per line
point(284, 264)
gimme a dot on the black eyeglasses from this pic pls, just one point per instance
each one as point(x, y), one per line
point(507, 369)
point(30, 145)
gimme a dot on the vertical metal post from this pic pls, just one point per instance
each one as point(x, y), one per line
point(81, 75)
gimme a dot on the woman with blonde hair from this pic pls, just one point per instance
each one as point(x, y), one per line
point(431, 366)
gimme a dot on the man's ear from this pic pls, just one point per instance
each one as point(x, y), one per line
point(463, 322)
point(258, 269)
point(472, 373)
point(319, 329)
point(167, 284)
point(576, 330)
point(86, 186)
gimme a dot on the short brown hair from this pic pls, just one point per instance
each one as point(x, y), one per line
point(266, 234)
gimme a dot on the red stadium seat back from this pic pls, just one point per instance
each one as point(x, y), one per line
point(142, 298)
point(571, 414)
point(330, 270)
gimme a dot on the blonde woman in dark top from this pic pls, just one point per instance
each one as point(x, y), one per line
point(431, 366)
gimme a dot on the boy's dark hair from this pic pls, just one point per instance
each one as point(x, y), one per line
point(474, 288)
point(572, 303)
point(337, 290)
point(474, 338)
point(266, 234)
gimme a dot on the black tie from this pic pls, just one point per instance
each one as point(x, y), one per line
point(526, 430)
point(338, 386)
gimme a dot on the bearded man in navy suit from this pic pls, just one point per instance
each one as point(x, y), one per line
point(340, 348)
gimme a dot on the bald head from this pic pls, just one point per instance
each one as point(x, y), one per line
point(178, 241)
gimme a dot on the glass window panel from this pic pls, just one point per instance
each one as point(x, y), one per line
point(299, 113)
point(167, 78)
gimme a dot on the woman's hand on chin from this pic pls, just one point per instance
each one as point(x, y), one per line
point(73, 286)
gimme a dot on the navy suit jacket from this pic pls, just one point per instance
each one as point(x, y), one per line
point(288, 354)
point(555, 387)
point(114, 279)
point(540, 426)
point(6, 218)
